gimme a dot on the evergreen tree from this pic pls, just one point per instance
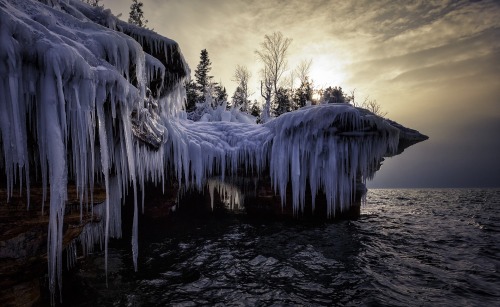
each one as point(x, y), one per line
point(238, 99)
point(334, 95)
point(203, 94)
point(303, 94)
point(203, 79)
point(255, 110)
point(203, 90)
point(219, 94)
point(283, 101)
point(192, 95)
point(136, 15)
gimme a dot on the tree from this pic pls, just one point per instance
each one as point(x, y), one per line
point(196, 90)
point(266, 89)
point(94, 3)
point(241, 94)
point(334, 95)
point(273, 54)
point(203, 93)
point(303, 94)
point(373, 106)
point(219, 95)
point(283, 101)
point(203, 79)
point(303, 70)
point(351, 98)
point(192, 95)
point(136, 15)
point(255, 110)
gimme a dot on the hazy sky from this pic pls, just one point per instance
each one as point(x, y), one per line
point(432, 65)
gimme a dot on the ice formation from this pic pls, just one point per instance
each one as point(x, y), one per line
point(230, 194)
point(69, 88)
point(89, 98)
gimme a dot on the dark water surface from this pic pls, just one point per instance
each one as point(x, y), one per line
point(408, 248)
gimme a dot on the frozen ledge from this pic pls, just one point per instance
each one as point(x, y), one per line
point(75, 108)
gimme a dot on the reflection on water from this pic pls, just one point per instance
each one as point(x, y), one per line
point(410, 247)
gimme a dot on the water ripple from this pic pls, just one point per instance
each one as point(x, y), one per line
point(409, 247)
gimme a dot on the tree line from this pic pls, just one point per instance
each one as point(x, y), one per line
point(277, 89)
point(278, 98)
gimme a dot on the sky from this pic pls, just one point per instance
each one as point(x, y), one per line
point(433, 66)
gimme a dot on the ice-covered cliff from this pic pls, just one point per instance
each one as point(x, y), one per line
point(89, 99)
point(72, 81)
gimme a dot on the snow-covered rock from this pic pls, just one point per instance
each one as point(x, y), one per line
point(75, 105)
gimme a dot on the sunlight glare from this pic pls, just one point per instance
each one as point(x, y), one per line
point(327, 71)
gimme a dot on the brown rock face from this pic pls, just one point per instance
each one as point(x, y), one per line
point(23, 244)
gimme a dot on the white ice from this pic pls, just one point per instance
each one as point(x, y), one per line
point(66, 83)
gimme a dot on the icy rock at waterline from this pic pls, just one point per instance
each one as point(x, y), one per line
point(75, 105)
point(69, 87)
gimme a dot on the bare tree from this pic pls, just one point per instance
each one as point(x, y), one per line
point(303, 70)
point(241, 77)
point(266, 88)
point(289, 81)
point(273, 54)
point(351, 98)
point(373, 106)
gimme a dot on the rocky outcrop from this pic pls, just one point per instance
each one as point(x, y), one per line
point(258, 198)
point(23, 242)
point(90, 103)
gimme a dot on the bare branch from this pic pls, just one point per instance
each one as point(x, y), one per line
point(373, 106)
point(303, 70)
point(273, 55)
point(240, 97)
point(242, 76)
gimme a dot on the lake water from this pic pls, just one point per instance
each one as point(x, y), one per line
point(408, 248)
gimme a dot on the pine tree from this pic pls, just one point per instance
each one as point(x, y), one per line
point(219, 94)
point(192, 95)
point(255, 110)
point(239, 99)
point(203, 79)
point(334, 95)
point(136, 15)
point(203, 90)
point(283, 101)
point(303, 94)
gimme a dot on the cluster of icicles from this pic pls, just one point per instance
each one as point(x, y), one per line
point(65, 107)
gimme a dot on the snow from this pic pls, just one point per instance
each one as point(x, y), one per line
point(75, 101)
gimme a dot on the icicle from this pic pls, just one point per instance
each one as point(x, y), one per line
point(229, 194)
point(135, 231)
point(103, 143)
point(55, 154)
